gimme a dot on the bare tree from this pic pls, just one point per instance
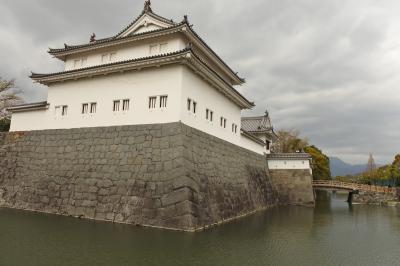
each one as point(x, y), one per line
point(290, 141)
point(8, 97)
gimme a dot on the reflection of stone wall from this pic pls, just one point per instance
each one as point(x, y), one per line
point(374, 197)
point(294, 186)
point(169, 175)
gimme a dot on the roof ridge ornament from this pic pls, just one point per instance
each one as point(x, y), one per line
point(93, 37)
point(147, 6)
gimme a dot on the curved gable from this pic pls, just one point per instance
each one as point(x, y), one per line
point(145, 23)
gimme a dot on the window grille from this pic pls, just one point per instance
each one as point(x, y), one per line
point(163, 101)
point(64, 111)
point(85, 108)
point(116, 106)
point(152, 102)
point(194, 107)
point(93, 107)
point(125, 105)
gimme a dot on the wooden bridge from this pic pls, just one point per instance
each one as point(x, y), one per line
point(338, 185)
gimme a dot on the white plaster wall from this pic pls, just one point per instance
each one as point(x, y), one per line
point(127, 51)
point(137, 86)
point(32, 120)
point(288, 164)
point(198, 90)
point(264, 138)
point(251, 145)
point(178, 82)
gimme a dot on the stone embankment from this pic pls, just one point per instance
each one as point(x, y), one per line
point(294, 186)
point(372, 197)
point(167, 176)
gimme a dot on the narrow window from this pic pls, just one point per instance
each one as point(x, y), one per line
point(85, 107)
point(76, 63)
point(211, 115)
point(234, 128)
point(113, 57)
point(125, 105)
point(163, 101)
point(221, 121)
point(189, 104)
point(153, 49)
point(163, 47)
point(224, 122)
point(152, 102)
point(84, 61)
point(207, 113)
point(93, 107)
point(57, 111)
point(116, 106)
point(194, 107)
point(104, 58)
point(64, 110)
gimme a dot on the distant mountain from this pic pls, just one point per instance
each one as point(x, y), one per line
point(341, 168)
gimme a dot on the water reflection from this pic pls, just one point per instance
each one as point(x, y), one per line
point(332, 233)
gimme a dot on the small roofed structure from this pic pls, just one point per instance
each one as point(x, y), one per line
point(290, 161)
point(261, 127)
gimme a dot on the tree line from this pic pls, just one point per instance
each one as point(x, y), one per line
point(290, 141)
point(387, 175)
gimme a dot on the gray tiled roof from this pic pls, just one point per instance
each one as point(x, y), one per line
point(257, 124)
point(188, 29)
point(297, 155)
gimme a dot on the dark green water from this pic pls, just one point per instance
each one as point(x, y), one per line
point(331, 234)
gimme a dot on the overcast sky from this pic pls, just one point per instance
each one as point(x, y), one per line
point(328, 68)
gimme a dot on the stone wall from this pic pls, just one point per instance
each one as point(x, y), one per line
point(2, 138)
point(169, 176)
point(368, 197)
point(227, 181)
point(294, 186)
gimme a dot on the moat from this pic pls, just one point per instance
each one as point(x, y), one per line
point(333, 233)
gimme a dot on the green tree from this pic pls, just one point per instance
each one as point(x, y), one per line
point(384, 175)
point(320, 163)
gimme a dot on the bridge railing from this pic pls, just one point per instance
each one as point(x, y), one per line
point(352, 186)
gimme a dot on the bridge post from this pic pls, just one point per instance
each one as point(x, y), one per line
point(350, 196)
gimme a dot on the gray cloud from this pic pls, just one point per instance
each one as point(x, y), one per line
point(328, 68)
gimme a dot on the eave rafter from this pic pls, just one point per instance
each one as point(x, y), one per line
point(186, 56)
point(183, 28)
